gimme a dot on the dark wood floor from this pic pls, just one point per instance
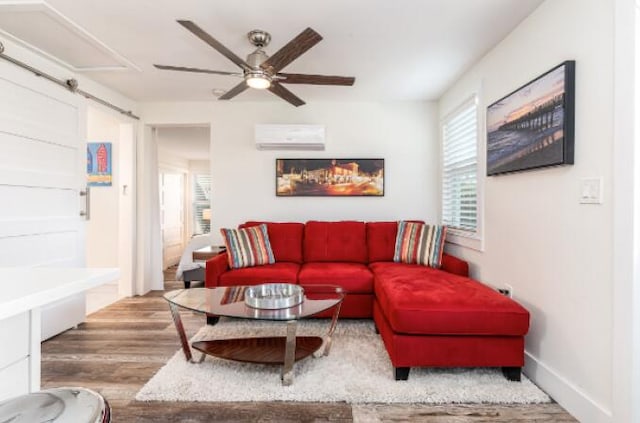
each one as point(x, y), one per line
point(121, 346)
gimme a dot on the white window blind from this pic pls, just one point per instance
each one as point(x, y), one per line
point(459, 169)
point(201, 204)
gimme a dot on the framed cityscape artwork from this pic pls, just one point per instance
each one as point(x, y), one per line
point(533, 126)
point(329, 177)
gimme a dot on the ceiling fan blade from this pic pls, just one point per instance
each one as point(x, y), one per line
point(200, 33)
point(234, 91)
point(299, 78)
point(285, 94)
point(292, 50)
point(184, 69)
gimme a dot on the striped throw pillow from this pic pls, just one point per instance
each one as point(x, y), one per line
point(248, 247)
point(419, 243)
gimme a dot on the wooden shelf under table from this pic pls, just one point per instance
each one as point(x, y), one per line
point(268, 350)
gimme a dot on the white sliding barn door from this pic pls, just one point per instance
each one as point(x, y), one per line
point(42, 153)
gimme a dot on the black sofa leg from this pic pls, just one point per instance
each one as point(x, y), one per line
point(212, 320)
point(512, 373)
point(376, 329)
point(401, 373)
point(187, 284)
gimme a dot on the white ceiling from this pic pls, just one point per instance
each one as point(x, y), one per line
point(397, 50)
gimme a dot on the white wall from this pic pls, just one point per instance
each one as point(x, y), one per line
point(633, 391)
point(127, 213)
point(626, 196)
point(402, 133)
point(199, 166)
point(103, 229)
point(553, 251)
point(188, 142)
point(168, 162)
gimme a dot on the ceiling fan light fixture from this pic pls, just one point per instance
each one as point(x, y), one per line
point(261, 71)
point(258, 80)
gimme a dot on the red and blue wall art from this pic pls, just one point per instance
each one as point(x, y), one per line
point(99, 164)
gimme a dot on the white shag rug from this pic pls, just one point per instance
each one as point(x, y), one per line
point(357, 370)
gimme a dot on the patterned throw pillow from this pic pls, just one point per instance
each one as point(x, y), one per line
point(419, 243)
point(248, 247)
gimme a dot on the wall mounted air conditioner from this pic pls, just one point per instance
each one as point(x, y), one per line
point(289, 137)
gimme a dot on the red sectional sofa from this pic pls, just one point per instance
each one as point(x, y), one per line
point(426, 317)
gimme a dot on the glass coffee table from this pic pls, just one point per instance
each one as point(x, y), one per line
point(230, 302)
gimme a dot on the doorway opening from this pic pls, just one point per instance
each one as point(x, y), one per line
point(184, 185)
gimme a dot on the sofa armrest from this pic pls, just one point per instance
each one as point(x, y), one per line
point(454, 265)
point(215, 267)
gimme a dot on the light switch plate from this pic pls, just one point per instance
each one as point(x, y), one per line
point(591, 191)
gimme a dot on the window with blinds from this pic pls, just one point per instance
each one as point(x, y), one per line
point(459, 169)
point(201, 204)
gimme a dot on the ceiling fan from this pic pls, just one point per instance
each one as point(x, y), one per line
point(261, 71)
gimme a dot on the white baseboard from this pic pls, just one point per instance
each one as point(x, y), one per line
point(565, 393)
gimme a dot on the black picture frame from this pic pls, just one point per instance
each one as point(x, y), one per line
point(533, 126)
point(329, 177)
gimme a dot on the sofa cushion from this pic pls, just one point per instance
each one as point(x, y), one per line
point(285, 239)
point(277, 272)
point(248, 247)
point(454, 265)
point(335, 242)
point(420, 244)
point(381, 240)
point(417, 299)
point(352, 277)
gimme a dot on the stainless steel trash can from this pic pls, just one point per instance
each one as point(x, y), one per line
point(59, 405)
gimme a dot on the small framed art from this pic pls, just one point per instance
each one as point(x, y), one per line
point(99, 164)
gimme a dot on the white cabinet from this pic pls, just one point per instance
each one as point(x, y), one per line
point(21, 306)
point(15, 380)
point(62, 315)
point(16, 354)
point(14, 339)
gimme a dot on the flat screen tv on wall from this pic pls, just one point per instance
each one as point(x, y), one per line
point(533, 126)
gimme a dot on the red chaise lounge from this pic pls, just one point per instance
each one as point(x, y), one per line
point(426, 317)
